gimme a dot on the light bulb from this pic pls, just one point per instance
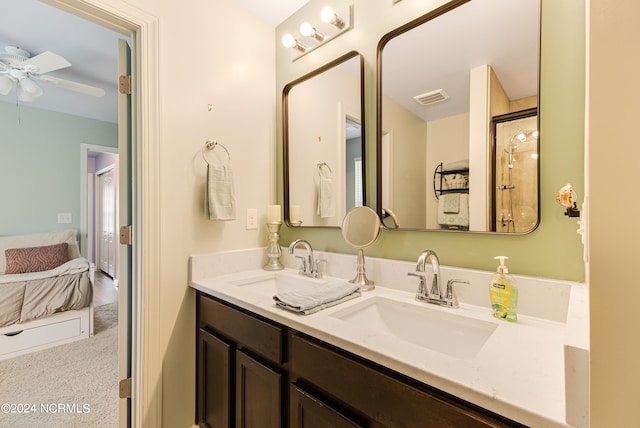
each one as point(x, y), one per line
point(288, 41)
point(522, 137)
point(535, 134)
point(328, 16)
point(308, 30)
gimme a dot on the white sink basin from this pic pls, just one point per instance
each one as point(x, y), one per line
point(421, 324)
point(272, 283)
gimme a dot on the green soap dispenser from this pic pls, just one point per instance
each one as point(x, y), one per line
point(503, 293)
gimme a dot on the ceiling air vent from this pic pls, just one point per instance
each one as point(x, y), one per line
point(431, 97)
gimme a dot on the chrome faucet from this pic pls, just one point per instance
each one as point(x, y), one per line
point(308, 266)
point(435, 294)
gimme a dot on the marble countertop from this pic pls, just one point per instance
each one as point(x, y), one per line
point(518, 373)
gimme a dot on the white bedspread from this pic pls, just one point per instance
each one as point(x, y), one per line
point(28, 296)
point(72, 266)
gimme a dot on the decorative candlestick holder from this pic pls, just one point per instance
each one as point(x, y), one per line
point(273, 250)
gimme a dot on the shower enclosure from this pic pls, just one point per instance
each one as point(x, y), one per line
point(515, 172)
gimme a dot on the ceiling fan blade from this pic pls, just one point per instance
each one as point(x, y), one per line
point(46, 62)
point(74, 86)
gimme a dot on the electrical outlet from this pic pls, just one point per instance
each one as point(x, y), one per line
point(252, 218)
point(65, 218)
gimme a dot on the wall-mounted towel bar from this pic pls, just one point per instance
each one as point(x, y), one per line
point(209, 145)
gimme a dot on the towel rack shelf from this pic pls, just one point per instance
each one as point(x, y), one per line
point(440, 187)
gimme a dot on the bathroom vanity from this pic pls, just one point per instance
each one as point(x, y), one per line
point(259, 365)
point(256, 372)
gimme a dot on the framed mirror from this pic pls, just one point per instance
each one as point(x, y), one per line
point(323, 133)
point(450, 83)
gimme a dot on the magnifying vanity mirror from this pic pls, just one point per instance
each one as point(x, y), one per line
point(323, 133)
point(360, 229)
point(457, 119)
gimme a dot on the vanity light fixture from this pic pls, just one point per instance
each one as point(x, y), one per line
point(334, 23)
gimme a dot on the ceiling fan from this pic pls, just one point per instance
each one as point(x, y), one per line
point(18, 68)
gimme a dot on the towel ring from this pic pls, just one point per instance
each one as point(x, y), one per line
point(319, 165)
point(209, 145)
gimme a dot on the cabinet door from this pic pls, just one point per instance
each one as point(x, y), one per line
point(308, 411)
point(214, 381)
point(258, 394)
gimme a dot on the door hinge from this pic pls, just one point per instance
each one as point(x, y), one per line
point(125, 388)
point(126, 235)
point(125, 85)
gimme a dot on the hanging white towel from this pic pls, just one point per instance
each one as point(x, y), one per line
point(448, 204)
point(325, 198)
point(220, 200)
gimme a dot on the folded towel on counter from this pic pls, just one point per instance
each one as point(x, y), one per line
point(325, 197)
point(458, 220)
point(311, 300)
point(220, 200)
point(451, 203)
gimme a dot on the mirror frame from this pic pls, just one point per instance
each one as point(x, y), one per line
point(285, 132)
point(447, 7)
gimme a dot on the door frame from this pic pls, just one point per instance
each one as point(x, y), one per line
point(143, 28)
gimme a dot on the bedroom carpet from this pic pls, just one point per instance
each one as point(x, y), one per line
point(72, 385)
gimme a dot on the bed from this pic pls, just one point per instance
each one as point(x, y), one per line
point(46, 290)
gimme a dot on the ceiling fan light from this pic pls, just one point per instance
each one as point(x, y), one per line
point(30, 87)
point(24, 95)
point(5, 85)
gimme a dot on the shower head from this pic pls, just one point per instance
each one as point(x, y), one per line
point(519, 138)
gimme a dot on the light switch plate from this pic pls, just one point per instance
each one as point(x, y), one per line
point(252, 218)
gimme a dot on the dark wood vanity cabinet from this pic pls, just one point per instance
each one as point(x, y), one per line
point(253, 372)
point(240, 377)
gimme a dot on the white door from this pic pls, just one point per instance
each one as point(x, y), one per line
point(107, 215)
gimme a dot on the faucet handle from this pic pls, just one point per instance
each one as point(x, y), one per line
point(450, 295)
point(422, 289)
point(317, 272)
point(303, 264)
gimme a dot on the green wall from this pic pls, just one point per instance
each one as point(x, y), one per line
point(40, 166)
point(554, 249)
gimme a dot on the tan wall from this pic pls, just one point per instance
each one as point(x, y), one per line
point(208, 52)
point(614, 175)
point(408, 145)
point(315, 133)
point(451, 137)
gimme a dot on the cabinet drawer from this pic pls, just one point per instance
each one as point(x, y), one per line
point(248, 331)
point(37, 337)
point(383, 397)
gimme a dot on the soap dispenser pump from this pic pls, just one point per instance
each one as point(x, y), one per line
point(503, 293)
